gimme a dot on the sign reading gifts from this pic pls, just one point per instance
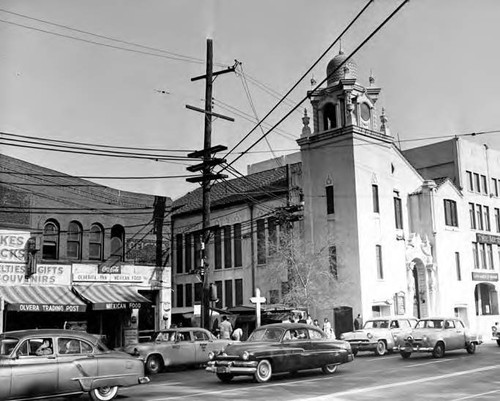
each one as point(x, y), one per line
point(14, 274)
point(109, 274)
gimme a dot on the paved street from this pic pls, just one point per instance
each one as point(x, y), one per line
point(458, 376)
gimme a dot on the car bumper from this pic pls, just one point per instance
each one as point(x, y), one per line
point(144, 380)
point(415, 348)
point(362, 345)
point(232, 367)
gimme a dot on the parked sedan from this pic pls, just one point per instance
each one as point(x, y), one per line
point(179, 346)
point(437, 335)
point(47, 363)
point(379, 334)
point(280, 347)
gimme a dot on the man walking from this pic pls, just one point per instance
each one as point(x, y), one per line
point(225, 328)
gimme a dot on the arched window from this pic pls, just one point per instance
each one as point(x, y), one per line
point(50, 247)
point(74, 241)
point(329, 116)
point(117, 242)
point(486, 298)
point(96, 241)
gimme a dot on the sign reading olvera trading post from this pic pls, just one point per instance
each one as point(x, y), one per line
point(484, 276)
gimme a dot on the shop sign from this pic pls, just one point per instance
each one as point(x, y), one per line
point(15, 274)
point(488, 238)
point(127, 274)
point(12, 246)
point(480, 276)
point(46, 308)
point(103, 269)
point(116, 305)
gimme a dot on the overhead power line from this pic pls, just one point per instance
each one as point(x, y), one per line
point(324, 80)
point(95, 177)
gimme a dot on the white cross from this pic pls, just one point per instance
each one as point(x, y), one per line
point(258, 300)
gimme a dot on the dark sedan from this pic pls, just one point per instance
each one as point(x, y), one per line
point(36, 364)
point(280, 347)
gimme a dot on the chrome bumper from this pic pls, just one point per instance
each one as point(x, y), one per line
point(415, 348)
point(144, 380)
point(232, 367)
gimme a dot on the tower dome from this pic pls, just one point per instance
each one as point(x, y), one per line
point(348, 70)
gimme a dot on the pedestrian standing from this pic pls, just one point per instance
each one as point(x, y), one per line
point(309, 319)
point(225, 328)
point(316, 323)
point(327, 328)
point(358, 322)
point(237, 334)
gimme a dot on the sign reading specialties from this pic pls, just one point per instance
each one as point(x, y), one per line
point(14, 274)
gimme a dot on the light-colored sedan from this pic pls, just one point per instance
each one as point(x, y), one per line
point(379, 334)
point(436, 335)
point(179, 346)
point(48, 363)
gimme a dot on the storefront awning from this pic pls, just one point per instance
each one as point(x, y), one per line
point(41, 299)
point(110, 297)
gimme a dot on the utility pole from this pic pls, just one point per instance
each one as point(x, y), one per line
point(206, 178)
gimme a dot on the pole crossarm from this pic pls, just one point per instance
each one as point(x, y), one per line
point(209, 113)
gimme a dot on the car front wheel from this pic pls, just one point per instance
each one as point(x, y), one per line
point(498, 343)
point(329, 369)
point(471, 348)
point(264, 371)
point(438, 350)
point(381, 348)
point(104, 393)
point(153, 364)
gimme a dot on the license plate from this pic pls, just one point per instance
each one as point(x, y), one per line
point(222, 369)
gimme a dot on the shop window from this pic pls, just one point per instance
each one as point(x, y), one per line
point(117, 242)
point(486, 298)
point(450, 213)
point(96, 242)
point(74, 242)
point(50, 247)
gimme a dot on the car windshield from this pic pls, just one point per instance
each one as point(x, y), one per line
point(7, 345)
point(376, 324)
point(267, 335)
point(430, 324)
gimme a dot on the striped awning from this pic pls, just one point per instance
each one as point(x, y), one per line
point(23, 298)
point(110, 296)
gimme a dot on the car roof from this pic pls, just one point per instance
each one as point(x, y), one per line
point(49, 333)
point(287, 326)
point(391, 318)
point(441, 318)
point(183, 329)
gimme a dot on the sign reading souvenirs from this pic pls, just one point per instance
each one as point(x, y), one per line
point(14, 274)
point(488, 238)
point(480, 276)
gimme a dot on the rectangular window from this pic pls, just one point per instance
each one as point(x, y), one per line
point(261, 241)
point(475, 255)
point(484, 183)
point(497, 185)
point(189, 294)
point(188, 252)
point(398, 213)
point(180, 295)
point(487, 225)
point(238, 289)
point(330, 205)
point(489, 250)
point(272, 235)
point(198, 252)
point(457, 266)
point(238, 261)
point(179, 250)
point(228, 255)
point(497, 219)
point(494, 187)
point(380, 267)
point(198, 290)
point(470, 181)
point(376, 207)
point(274, 297)
point(479, 214)
point(472, 214)
point(332, 258)
point(217, 248)
point(228, 293)
point(450, 213)
point(482, 252)
point(218, 285)
point(477, 183)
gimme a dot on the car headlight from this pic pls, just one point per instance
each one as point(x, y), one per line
point(245, 355)
point(494, 329)
point(370, 336)
point(136, 352)
point(409, 338)
point(342, 337)
point(425, 338)
point(211, 355)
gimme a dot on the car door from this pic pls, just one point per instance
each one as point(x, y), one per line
point(298, 351)
point(32, 374)
point(325, 352)
point(182, 351)
point(457, 334)
point(203, 345)
point(75, 358)
point(5, 376)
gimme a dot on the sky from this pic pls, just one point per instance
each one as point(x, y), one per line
point(437, 62)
